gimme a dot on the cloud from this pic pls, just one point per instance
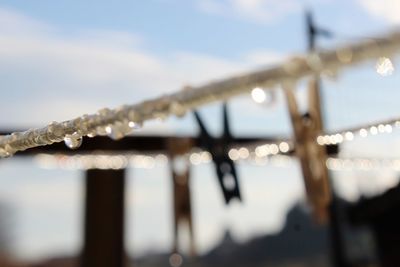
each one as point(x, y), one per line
point(200, 68)
point(387, 10)
point(45, 70)
point(11, 22)
point(263, 11)
point(263, 57)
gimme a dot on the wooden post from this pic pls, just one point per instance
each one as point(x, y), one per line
point(104, 219)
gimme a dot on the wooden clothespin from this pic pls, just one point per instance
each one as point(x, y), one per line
point(180, 170)
point(219, 148)
point(313, 31)
point(312, 156)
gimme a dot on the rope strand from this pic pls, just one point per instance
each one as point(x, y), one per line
point(121, 121)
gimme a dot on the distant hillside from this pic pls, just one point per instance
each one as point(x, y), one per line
point(300, 243)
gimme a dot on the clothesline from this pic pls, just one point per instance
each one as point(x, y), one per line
point(121, 121)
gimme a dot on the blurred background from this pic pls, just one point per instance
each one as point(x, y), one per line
point(62, 59)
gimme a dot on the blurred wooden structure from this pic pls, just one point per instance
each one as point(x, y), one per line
point(104, 205)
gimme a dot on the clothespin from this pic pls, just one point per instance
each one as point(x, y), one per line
point(312, 156)
point(180, 170)
point(313, 31)
point(219, 148)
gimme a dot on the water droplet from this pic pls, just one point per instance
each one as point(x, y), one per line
point(206, 156)
point(73, 141)
point(243, 153)
point(258, 95)
point(284, 147)
point(101, 130)
point(161, 158)
point(118, 130)
point(320, 140)
point(349, 136)
point(135, 125)
point(363, 133)
point(4, 153)
point(373, 130)
point(108, 129)
point(233, 154)
point(178, 109)
point(9, 150)
point(384, 66)
point(274, 149)
point(195, 158)
point(92, 134)
point(339, 138)
point(82, 123)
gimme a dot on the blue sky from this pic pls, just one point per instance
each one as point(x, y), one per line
point(60, 59)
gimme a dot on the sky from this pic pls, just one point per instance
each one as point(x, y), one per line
point(61, 59)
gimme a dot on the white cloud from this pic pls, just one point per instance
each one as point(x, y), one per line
point(262, 57)
point(254, 10)
point(200, 68)
point(11, 22)
point(44, 70)
point(258, 11)
point(387, 10)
